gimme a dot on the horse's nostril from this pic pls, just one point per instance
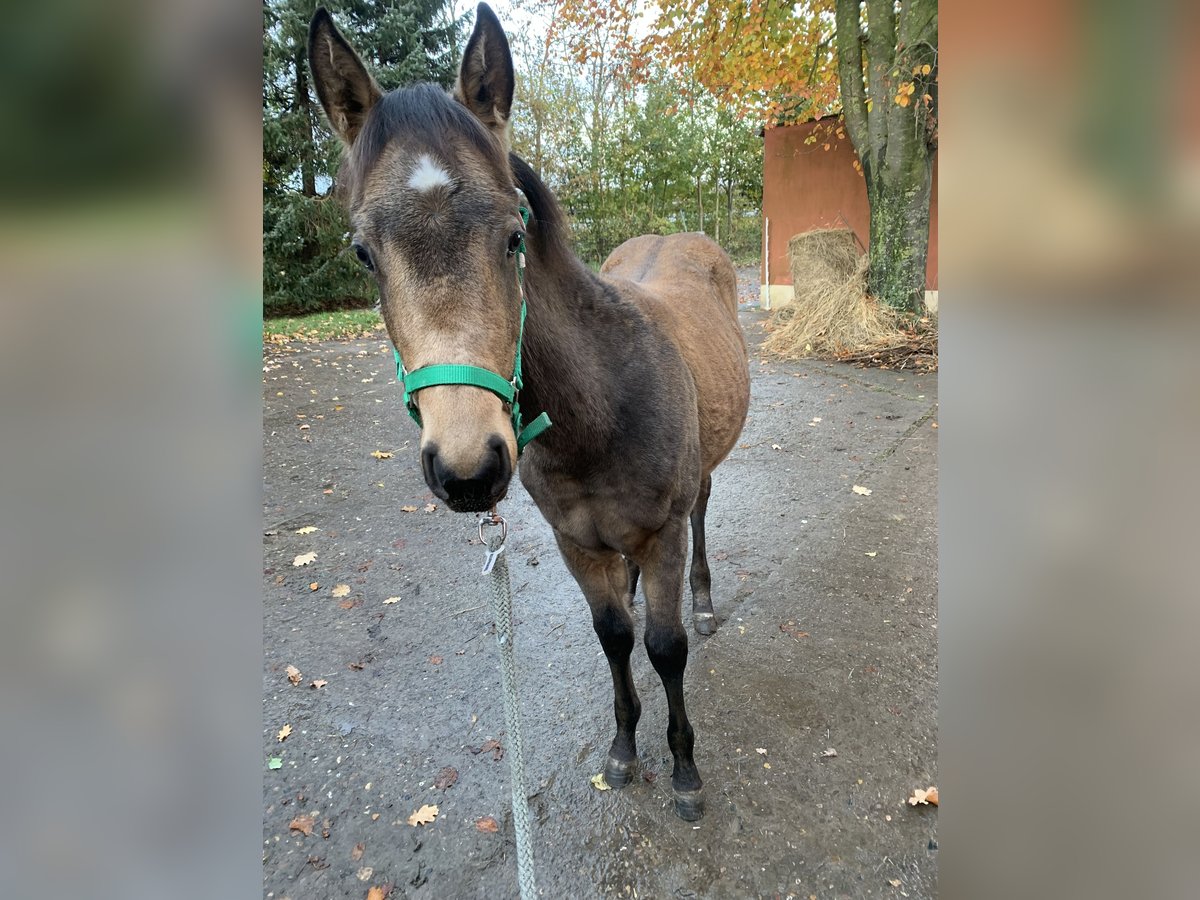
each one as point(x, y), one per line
point(478, 492)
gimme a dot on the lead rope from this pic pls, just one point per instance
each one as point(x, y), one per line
point(496, 563)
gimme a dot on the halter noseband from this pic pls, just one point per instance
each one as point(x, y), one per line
point(475, 376)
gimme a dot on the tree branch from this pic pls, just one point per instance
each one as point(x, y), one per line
point(848, 44)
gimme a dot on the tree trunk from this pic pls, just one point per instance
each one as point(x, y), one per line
point(308, 175)
point(891, 138)
point(899, 242)
point(700, 203)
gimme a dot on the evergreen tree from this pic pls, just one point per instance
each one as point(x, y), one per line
point(304, 228)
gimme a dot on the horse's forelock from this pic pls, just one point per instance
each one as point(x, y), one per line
point(426, 114)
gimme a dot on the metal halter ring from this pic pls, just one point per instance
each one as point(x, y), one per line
point(491, 519)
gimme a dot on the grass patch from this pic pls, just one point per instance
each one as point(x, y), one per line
point(340, 324)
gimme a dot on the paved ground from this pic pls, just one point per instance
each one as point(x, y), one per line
point(829, 640)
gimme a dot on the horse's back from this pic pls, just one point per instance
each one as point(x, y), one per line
point(687, 285)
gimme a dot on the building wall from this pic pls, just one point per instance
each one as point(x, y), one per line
point(806, 186)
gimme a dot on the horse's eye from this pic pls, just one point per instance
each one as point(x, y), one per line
point(364, 257)
point(514, 242)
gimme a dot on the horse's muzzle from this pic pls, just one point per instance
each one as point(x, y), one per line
point(477, 492)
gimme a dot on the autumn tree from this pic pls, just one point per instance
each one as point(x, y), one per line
point(875, 60)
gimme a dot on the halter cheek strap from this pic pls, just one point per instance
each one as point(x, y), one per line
point(475, 376)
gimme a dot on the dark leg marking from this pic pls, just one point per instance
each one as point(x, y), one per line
point(603, 578)
point(703, 618)
point(667, 645)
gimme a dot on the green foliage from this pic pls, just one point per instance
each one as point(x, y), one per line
point(658, 156)
point(304, 229)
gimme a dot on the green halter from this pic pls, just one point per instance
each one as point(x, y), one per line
point(507, 391)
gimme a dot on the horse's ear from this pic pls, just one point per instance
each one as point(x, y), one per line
point(485, 81)
point(345, 87)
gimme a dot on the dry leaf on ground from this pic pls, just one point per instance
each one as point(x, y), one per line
point(391, 600)
point(599, 783)
point(303, 824)
point(430, 507)
point(924, 797)
point(357, 852)
point(859, 489)
point(435, 660)
point(284, 732)
point(307, 529)
point(487, 824)
point(446, 778)
point(423, 816)
point(341, 590)
point(304, 559)
point(314, 586)
point(319, 683)
point(492, 746)
point(829, 751)
point(408, 508)
point(364, 874)
point(376, 893)
point(381, 454)
point(294, 675)
point(872, 554)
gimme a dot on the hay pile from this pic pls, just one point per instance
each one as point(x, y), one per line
point(833, 318)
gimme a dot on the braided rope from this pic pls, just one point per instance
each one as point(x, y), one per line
point(502, 611)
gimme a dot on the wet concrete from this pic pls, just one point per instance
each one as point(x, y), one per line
point(821, 646)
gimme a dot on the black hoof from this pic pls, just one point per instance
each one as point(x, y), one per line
point(704, 623)
point(689, 805)
point(618, 774)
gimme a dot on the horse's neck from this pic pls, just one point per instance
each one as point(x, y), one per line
point(566, 372)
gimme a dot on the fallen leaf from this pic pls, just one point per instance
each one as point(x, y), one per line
point(599, 783)
point(487, 824)
point(761, 751)
point(872, 554)
point(776, 447)
point(446, 778)
point(303, 824)
point(341, 590)
point(894, 882)
point(307, 529)
point(926, 797)
point(355, 665)
point(304, 559)
point(319, 683)
point(314, 586)
point(829, 751)
point(766, 765)
point(351, 604)
point(408, 509)
point(275, 762)
point(436, 660)
point(381, 454)
point(423, 816)
point(430, 507)
point(376, 893)
point(284, 732)
point(357, 852)
point(391, 600)
point(859, 489)
point(492, 746)
point(294, 675)
point(364, 874)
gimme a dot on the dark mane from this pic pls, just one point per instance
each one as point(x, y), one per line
point(424, 111)
point(549, 234)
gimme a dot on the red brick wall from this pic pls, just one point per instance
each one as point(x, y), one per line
point(806, 186)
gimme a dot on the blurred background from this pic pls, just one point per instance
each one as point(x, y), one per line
point(131, 184)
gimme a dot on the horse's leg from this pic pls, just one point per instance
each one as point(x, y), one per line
point(632, 568)
point(703, 618)
point(662, 565)
point(604, 580)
